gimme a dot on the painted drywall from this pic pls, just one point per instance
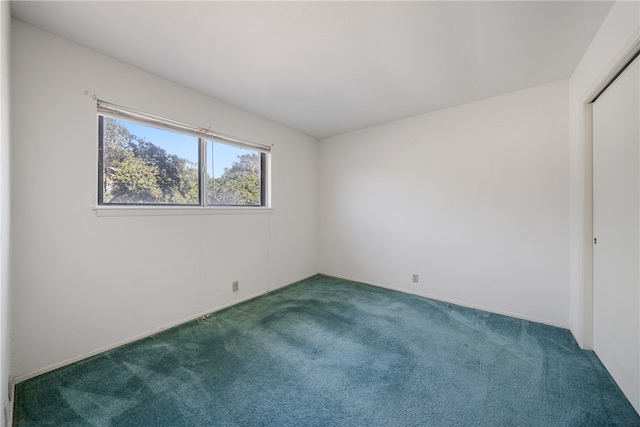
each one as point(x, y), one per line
point(618, 34)
point(474, 199)
point(82, 282)
point(5, 344)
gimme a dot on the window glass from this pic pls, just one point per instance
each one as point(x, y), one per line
point(234, 175)
point(145, 165)
point(147, 160)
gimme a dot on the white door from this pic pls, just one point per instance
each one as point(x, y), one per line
point(616, 222)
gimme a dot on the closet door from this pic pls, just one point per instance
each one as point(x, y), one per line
point(616, 221)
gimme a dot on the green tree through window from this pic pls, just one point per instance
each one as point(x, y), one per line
point(239, 184)
point(137, 171)
point(142, 165)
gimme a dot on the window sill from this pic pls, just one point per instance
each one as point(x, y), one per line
point(177, 210)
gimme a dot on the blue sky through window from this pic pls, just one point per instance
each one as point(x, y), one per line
point(186, 146)
point(223, 157)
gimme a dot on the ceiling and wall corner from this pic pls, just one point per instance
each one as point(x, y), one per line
point(325, 68)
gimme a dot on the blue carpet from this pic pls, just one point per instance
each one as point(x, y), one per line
point(328, 352)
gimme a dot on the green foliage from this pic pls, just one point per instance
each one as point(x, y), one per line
point(137, 171)
point(239, 184)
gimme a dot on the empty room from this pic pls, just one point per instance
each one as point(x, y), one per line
point(320, 213)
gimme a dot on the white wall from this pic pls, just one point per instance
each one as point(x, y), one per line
point(5, 348)
point(82, 282)
point(611, 45)
point(475, 199)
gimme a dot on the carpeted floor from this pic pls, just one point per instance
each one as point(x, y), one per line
point(328, 352)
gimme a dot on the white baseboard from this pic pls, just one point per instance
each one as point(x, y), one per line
point(452, 301)
point(23, 377)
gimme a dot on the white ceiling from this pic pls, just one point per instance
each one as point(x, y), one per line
point(325, 68)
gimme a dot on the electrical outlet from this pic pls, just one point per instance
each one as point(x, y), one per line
point(415, 278)
point(235, 286)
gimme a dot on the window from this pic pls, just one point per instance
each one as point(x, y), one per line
point(147, 160)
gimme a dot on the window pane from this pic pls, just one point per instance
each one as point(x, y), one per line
point(234, 175)
point(145, 165)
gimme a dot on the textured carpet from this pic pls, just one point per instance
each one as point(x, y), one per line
point(328, 352)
